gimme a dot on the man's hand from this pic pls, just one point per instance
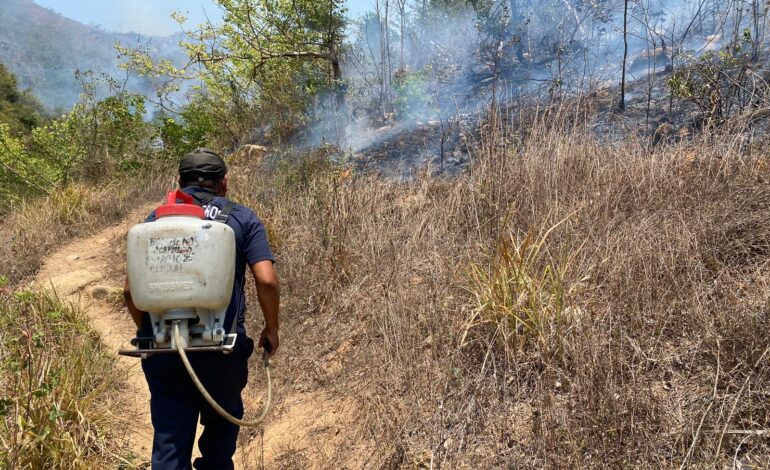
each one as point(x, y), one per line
point(269, 340)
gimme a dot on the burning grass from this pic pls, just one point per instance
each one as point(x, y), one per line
point(633, 335)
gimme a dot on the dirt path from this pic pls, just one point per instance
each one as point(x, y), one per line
point(306, 429)
point(80, 272)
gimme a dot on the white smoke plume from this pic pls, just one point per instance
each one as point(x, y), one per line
point(456, 61)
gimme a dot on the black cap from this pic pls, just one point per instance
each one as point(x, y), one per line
point(202, 164)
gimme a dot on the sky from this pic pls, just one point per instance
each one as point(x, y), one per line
point(151, 16)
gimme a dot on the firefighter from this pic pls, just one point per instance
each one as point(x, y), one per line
point(175, 403)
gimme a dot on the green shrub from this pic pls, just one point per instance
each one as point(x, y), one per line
point(412, 98)
point(716, 82)
point(22, 174)
point(96, 141)
point(19, 109)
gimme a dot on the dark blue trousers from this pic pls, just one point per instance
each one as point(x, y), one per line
point(176, 405)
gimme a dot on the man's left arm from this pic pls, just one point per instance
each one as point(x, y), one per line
point(269, 294)
point(260, 260)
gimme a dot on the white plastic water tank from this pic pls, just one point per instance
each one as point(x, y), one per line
point(181, 261)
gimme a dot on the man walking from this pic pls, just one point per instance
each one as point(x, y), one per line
point(175, 403)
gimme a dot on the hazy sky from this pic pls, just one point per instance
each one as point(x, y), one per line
point(150, 16)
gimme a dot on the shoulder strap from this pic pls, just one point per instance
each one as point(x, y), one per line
point(204, 198)
point(224, 214)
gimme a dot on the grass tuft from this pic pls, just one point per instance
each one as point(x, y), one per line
point(56, 381)
point(524, 293)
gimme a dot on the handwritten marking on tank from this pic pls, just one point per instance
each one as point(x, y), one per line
point(181, 245)
point(169, 255)
point(166, 264)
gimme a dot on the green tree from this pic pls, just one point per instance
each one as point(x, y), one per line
point(267, 59)
point(195, 126)
point(19, 109)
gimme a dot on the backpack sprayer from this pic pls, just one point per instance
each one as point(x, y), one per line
point(181, 270)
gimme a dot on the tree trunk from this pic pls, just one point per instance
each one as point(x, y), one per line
point(334, 62)
point(402, 6)
point(339, 87)
point(622, 102)
point(387, 43)
point(384, 93)
point(516, 29)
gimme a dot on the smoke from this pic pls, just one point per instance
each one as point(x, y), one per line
point(452, 63)
point(395, 83)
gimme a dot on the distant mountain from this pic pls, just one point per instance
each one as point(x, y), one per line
point(44, 49)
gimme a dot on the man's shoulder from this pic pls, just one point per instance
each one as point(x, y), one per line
point(242, 214)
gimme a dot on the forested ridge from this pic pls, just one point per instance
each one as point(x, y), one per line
point(510, 234)
point(44, 50)
point(19, 110)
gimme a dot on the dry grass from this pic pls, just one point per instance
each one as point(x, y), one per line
point(39, 226)
point(633, 335)
point(57, 384)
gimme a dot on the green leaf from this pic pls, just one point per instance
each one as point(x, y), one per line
point(5, 406)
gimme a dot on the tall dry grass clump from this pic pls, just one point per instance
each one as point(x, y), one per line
point(633, 335)
point(524, 295)
point(56, 381)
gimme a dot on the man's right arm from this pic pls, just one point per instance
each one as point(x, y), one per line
point(136, 314)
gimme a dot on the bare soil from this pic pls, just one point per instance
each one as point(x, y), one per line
point(79, 272)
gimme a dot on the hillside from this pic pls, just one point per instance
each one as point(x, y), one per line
point(45, 49)
point(20, 110)
point(507, 236)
